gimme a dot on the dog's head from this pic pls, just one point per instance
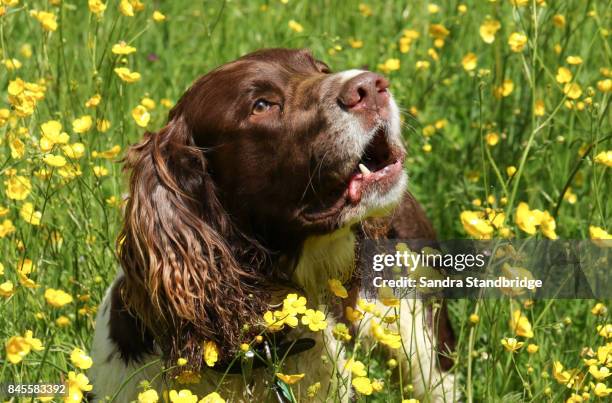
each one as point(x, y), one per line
point(284, 139)
point(265, 150)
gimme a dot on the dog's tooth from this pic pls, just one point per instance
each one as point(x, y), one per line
point(364, 169)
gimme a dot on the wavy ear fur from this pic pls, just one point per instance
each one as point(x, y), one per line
point(182, 279)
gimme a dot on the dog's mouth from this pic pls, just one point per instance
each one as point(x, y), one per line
point(378, 169)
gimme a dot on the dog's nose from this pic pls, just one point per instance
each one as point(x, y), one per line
point(364, 91)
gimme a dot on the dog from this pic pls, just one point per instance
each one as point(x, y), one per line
point(270, 171)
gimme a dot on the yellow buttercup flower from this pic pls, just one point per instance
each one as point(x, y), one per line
point(107, 154)
point(277, 320)
point(122, 48)
point(148, 396)
point(366, 306)
point(56, 161)
point(505, 89)
point(26, 50)
point(290, 379)
point(539, 108)
point(337, 288)
point(211, 353)
point(572, 90)
point(605, 330)
point(47, 20)
point(511, 344)
point(601, 390)
point(103, 125)
point(469, 61)
point(148, 103)
point(600, 373)
point(314, 319)
point(574, 60)
point(80, 359)
point(532, 348)
point(141, 116)
point(137, 5)
point(357, 368)
point(29, 215)
point(604, 158)
point(23, 96)
point(25, 267)
point(562, 376)
point(213, 397)
point(489, 29)
point(51, 135)
point(476, 225)
point(341, 332)
point(69, 172)
point(6, 228)
point(57, 298)
point(7, 289)
point(18, 149)
point(422, 65)
point(600, 237)
point(4, 116)
point(564, 75)
point(74, 151)
point(517, 41)
point(93, 101)
point(62, 321)
point(100, 171)
point(18, 187)
point(355, 43)
point(17, 347)
point(385, 336)
point(77, 384)
point(389, 65)
point(82, 124)
point(548, 225)
point(362, 385)
point(158, 16)
point(602, 85)
point(558, 20)
point(527, 219)
point(353, 315)
point(126, 75)
point(295, 26)
point(492, 138)
point(125, 7)
point(12, 64)
point(599, 309)
point(97, 7)
point(438, 31)
point(182, 396)
point(294, 304)
point(520, 324)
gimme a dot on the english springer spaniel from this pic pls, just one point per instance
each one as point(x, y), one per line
point(269, 173)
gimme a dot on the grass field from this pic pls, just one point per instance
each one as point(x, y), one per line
point(503, 102)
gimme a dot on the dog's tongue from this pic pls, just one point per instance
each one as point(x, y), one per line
point(354, 189)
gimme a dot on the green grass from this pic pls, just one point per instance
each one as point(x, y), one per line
point(73, 247)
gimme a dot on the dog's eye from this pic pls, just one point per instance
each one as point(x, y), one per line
point(261, 106)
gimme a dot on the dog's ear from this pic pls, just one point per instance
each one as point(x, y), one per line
point(180, 274)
